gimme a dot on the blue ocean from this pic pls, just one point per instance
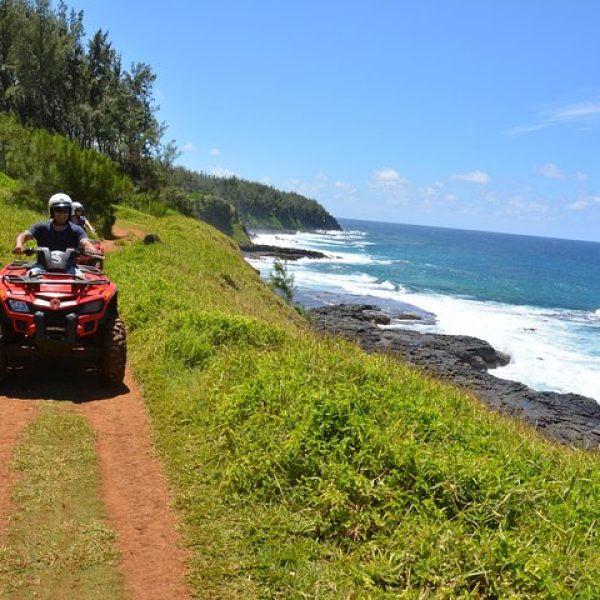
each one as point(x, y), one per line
point(537, 299)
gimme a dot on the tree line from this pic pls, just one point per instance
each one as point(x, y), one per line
point(259, 205)
point(51, 79)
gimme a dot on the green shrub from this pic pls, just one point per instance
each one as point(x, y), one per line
point(45, 163)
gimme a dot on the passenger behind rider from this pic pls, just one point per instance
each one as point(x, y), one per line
point(78, 218)
point(57, 234)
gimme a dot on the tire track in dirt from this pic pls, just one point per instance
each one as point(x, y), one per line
point(133, 486)
point(136, 496)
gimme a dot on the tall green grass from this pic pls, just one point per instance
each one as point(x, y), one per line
point(319, 471)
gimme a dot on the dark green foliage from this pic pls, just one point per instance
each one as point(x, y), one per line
point(281, 280)
point(259, 205)
point(45, 164)
point(49, 81)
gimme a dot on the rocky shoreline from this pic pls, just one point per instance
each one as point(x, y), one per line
point(258, 250)
point(566, 418)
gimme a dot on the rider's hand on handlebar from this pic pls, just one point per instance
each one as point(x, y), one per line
point(18, 250)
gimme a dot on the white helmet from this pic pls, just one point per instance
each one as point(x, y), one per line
point(77, 206)
point(60, 201)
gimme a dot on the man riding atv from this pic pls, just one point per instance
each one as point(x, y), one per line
point(58, 233)
point(56, 308)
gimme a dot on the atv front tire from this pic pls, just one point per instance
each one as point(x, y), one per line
point(114, 352)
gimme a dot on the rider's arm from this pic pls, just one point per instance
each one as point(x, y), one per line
point(23, 237)
point(87, 245)
point(89, 226)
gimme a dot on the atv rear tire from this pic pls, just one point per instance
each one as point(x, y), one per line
point(114, 352)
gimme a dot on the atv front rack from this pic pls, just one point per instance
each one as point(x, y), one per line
point(36, 281)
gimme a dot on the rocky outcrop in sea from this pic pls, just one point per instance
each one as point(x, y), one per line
point(258, 250)
point(466, 361)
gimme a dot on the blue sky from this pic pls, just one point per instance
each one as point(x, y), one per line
point(456, 113)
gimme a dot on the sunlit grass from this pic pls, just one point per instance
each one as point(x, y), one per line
point(319, 471)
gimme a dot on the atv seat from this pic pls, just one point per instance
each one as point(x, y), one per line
point(56, 260)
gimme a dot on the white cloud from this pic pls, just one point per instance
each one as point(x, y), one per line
point(387, 175)
point(582, 112)
point(221, 172)
point(214, 152)
point(584, 202)
point(451, 197)
point(267, 180)
point(581, 176)
point(551, 170)
point(472, 177)
point(389, 184)
point(189, 147)
point(321, 177)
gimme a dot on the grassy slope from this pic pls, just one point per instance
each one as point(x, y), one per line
point(304, 468)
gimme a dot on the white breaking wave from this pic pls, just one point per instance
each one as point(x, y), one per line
point(551, 350)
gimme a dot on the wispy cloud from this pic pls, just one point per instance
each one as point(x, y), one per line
point(389, 184)
point(584, 202)
point(214, 152)
point(472, 177)
point(345, 191)
point(189, 147)
point(551, 170)
point(582, 112)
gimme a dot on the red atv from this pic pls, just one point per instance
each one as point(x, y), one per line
point(54, 308)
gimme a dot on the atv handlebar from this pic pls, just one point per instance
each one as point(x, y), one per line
point(78, 251)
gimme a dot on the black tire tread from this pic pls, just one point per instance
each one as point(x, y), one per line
point(114, 352)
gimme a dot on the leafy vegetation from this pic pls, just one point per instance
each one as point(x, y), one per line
point(49, 80)
point(319, 471)
point(44, 163)
point(281, 280)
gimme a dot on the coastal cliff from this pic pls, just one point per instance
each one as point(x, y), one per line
point(466, 361)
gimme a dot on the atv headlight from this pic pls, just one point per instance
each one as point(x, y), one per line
point(91, 307)
point(18, 306)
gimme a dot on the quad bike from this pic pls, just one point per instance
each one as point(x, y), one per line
point(93, 260)
point(61, 310)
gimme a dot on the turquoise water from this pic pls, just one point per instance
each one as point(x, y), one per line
point(536, 298)
point(514, 269)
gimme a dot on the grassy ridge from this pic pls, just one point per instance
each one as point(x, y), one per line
point(306, 468)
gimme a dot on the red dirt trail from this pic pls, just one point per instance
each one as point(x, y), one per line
point(133, 486)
